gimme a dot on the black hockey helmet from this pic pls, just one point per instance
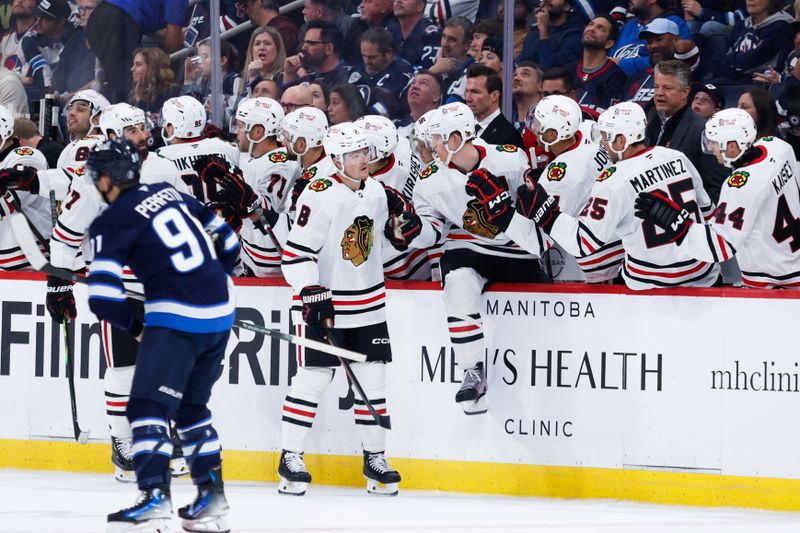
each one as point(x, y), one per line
point(117, 159)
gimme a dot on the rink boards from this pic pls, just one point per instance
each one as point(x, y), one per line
point(683, 396)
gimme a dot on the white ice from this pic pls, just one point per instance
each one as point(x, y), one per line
point(66, 502)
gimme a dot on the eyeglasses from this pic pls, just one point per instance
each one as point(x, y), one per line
point(314, 43)
point(85, 9)
point(287, 107)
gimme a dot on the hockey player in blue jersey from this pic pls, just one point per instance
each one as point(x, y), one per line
point(163, 236)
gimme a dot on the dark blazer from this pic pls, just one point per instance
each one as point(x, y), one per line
point(686, 137)
point(501, 131)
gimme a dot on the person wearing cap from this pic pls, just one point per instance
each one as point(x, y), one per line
point(492, 54)
point(44, 49)
point(630, 52)
point(601, 81)
point(555, 39)
point(707, 100)
point(660, 36)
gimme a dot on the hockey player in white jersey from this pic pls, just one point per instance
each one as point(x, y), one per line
point(83, 118)
point(570, 176)
point(759, 206)
point(650, 258)
point(476, 251)
point(332, 260)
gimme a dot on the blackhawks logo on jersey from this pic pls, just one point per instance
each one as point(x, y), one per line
point(427, 171)
point(606, 173)
point(357, 240)
point(556, 171)
point(507, 148)
point(320, 185)
point(309, 174)
point(475, 221)
point(23, 150)
point(278, 157)
point(738, 179)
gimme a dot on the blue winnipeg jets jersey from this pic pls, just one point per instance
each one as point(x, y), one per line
point(161, 234)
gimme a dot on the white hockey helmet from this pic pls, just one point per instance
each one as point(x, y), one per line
point(186, 115)
point(117, 117)
point(626, 119)
point(97, 102)
point(419, 133)
point(6, 124)
point(342, 139)
point(309, 123)
point(559, 113)
point(260, 111)
point(452, 118)
point(728, 125)
point(381, 134)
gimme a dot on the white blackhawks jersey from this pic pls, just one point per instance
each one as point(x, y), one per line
point(77, 152)
point(756, 216)
point(448, 213)
point(569, 178)
point(607, 234)
point(337, 242)
point(272, 177)
point(37, 209)
point(185, 154)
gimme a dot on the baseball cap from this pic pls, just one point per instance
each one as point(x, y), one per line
point(493, 44)
point(659, 26)
point(53, 9)
point(714, 92)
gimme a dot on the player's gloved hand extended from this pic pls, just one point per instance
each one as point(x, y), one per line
point(60, 300)
point(657, 209)
point(537, 205)
point(19, 177)
point(211, 167)
point(224, 211)
point(317, 309)
point(298, 187)
point(212, 131)
point(396, 201)
point(237, 194)
point(492, 193)
point(403, 228)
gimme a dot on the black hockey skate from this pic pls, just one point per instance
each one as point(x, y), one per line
point(178, 467)
point(152, 512)
point(294, 477)
point(472, 394)
point(209, 510)
point(381, 477)
point(122, 457)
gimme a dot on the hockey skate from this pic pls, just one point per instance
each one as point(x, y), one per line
point(209, 510)
point(472, 394)
point(122, 457)
point(151, 513)
point(381, 477)
point(294, 477)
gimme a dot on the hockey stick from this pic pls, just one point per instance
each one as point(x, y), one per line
point(36, 258)
point(383, 421)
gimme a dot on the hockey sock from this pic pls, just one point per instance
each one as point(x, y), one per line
point(372, 377)
point(118, 388)
point(200, 441)
point(462, 301)
point(152, 446)
point(300, 406)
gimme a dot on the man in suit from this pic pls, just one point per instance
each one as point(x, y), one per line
point(676, 126)
point(484, 89)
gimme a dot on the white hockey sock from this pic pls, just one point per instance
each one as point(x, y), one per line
point(300, 406)
point(462, 303)
point(372, 377)
point(118, 383)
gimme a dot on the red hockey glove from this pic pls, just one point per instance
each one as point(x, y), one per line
point(396, 201)
point(19, 177)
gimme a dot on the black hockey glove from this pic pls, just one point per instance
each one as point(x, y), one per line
point(298, 187)
point(492, 193)
point(403, 228)
point(657, 209)
point(224, 211)
point(19, 177)
point(538, 206)
point(212, 131)
point(211, 167)
point(60, 300)
point(396, 201)
point(317, 309)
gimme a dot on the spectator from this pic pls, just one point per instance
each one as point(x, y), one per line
point(759, 104)
point(556, 39)
point(28, 134)
point(482, 30)
point(197, 74)
point(372, 14)
point(380, 67)
point(523, 9)
point(453, 61)
point(85, 9)
point(77, 61)
point(790, 72)
point(320, 95)
point(756, 43)
point(153, 82)
point(12, 92)
point(296, 96)
point(268, 88)
point(346, 105)
point(320, 58)
point(631, 51)
point(265, 58)
point(601, 82)
point(708, 21)
point(790, 101)
point(526, 90)
point(424, 94)
point(439, 10)
point(559, 80)
point(707, 100)
point(492, 55)
point(484, 89)
point(416, 38)
point(676, 126)
point(43, 49)
point(325, 11)
point(661, 36)
point(23, 24)
point(267, 13)
point(115, 30)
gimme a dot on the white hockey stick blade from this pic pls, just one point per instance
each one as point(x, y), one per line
point(83, 437)
point(305, 343)
point(27, 242)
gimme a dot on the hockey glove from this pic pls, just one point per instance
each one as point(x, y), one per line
point(538, 206)
point(298, 187)
point(396, 202)
point(657, 209)
point(492, 193)
point(19, 177)
point(403, 228)
point(211, 167)
point(212, 131)
point(225, 212)
point(317, 309)
point(60, 300)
